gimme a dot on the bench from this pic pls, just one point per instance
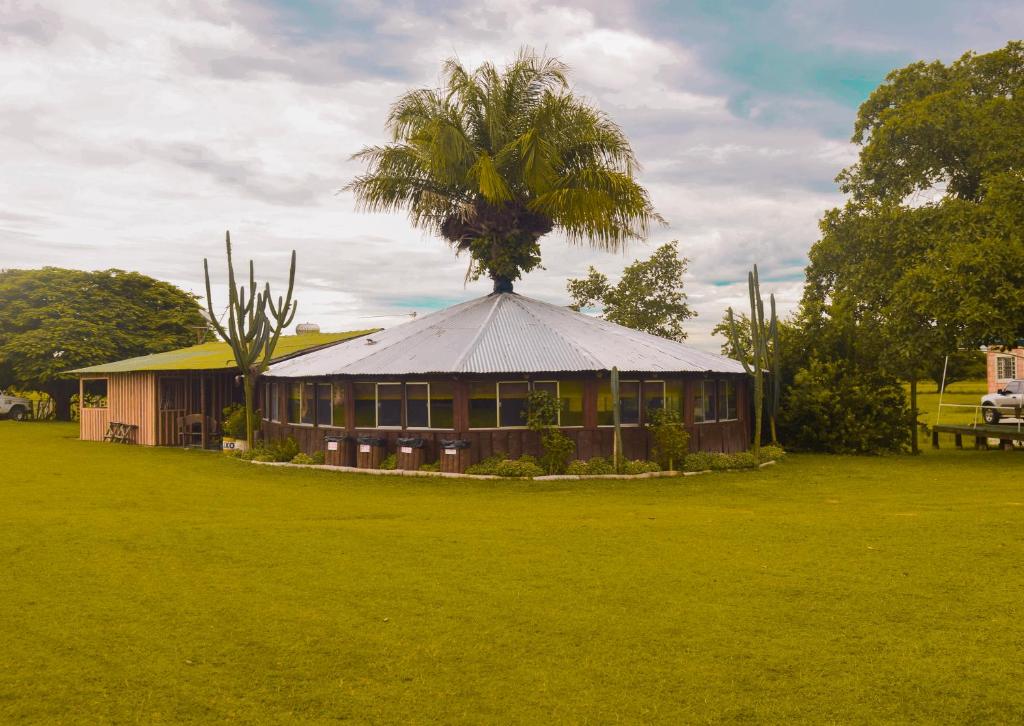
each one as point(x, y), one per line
point(121, 433)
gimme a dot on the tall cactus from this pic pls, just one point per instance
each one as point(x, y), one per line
point(764, 347)
point(254, 325)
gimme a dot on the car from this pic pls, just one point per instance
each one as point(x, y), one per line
point(1007, 402)
point(14, 407)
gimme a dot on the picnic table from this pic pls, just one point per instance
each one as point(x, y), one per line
point(120, 433)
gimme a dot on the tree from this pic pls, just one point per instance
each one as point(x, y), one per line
point(494, 160)
point(738, 347)
point(962, 365)
point(254, 325)
point(54, 320)
point(916, 261)
point(649, 296)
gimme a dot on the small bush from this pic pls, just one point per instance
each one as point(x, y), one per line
point(772, 453)
point(670, 441)
point(518, 468)
point(741, 460)
point(262, 456)
point(318, 457)
point(436, 466)
point(301, 458)
point(639, 466)
point(577, 467)
point(600, 465)
point(699, 461)
point(485, 466)
point(285, 450)
point(234, 421)
point(390, 462)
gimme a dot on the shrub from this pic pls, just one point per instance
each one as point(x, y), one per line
point(699, 461)
point(301, 458)
point(639, 466)
point(518, 468)
point(741, 460)
point(600, 465)
point(772, 453)
point(542, 416)
point(577, 467)
point(390, 462)
point(436, 466)
point(318, 457)
point(262, 455)
point(234, 421)
point(558, 451)
point(485, 466)
point(285, 450)
point(838, 408)
point(670, 442)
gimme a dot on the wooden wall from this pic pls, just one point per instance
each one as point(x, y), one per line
point(590, 440)
point(131, 399)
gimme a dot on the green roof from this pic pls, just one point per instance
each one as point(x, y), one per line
point(217, 355)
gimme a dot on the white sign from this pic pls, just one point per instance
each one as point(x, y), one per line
point(332, 445)
point(364, 448)
point(451, 452)
point(406, 449)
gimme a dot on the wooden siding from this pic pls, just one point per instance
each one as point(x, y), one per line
point(92, 423)
point(590, 439)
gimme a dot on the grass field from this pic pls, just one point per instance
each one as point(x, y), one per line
point(159, 585)
point(964, 393)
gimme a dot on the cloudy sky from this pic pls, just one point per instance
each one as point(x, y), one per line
point(134, 132)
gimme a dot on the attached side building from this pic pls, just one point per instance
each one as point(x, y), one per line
point(464, 373)
point(153, 392)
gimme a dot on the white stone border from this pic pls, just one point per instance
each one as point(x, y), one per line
point(546, 477)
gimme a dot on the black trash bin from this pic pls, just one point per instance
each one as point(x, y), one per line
point(412, 452)
point(370, 451)
point(455, 455)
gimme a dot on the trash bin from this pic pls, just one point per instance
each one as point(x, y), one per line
point(339, 450)
point(454, 455)
point(370, 451)
point(412, 453)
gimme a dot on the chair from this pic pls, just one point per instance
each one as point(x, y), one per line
point(190, 429)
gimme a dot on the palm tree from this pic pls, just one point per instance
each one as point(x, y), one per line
point(494, 160)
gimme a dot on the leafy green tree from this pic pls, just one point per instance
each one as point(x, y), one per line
point(54, 320)
point(964, 365)
point(495, 159)
point(649, 296)
point(739, 347)
point(542, 417)
point(670, 441)
point(923, 259)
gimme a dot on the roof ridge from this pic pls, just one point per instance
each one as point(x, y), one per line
point(460, 359)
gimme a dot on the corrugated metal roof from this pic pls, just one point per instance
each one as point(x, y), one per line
point(217, 355)
point(504, 333)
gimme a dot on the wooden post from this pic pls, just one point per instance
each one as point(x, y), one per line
point(935, 439)
point(958, 440)
point(617, 420)
point(202, 409)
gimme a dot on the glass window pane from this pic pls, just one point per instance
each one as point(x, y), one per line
point(323, 404)
point(483, 406)
point(416, 403)
point(674, 398)
point(389, 404)
point(366, 405)
point(654, 395)
point(605, 408)
point(294, 401)
point(698, 403)
point(629, 402)
point(442, 408)
point(705, 405)
point(571, 394)
point(308, 403)
point(275, 402)
point(726, 400)
point(95, 390)
point(339, 411)
point(512, 403)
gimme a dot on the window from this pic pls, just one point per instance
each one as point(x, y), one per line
point(417, 405)
point(172, 394)
point(324, 411)
point(571, 395)
point(294, 402)
point(442, 406)
point(674, 398)
point(308, 410)
point(512, 397)
point(94, 392)
point(1014, 388)
point(551, 388)
point(1006, 367)
point(704, 404)
point(389, 405)
point(483, 405)
point(275, 402)
point(654, 396)
point(339, 411)
point(629, 403)
point(727, 400)
point(366, 405)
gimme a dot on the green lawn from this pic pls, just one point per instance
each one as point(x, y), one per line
point(159, 585)
point(963, 392)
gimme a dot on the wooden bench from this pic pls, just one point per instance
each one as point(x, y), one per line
point(121, 433)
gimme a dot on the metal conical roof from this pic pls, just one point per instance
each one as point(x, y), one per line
point(504, 333)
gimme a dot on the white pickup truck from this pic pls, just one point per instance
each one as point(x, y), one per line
point(14, 407)
point(1007, 402)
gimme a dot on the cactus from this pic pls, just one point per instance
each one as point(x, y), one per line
point(254, 325)
point(764, 340)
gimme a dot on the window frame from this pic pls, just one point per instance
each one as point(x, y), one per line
point(498, 395)
point(330, 403)
point(726, 382)
point(703, 406)
point(376, 407)
point(405, 405)
point(643, 395)
point(1006, 359)
point(640, 398)
point(275, 402)
point(106, 396)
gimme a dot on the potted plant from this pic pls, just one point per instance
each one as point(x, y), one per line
point(234, 428)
